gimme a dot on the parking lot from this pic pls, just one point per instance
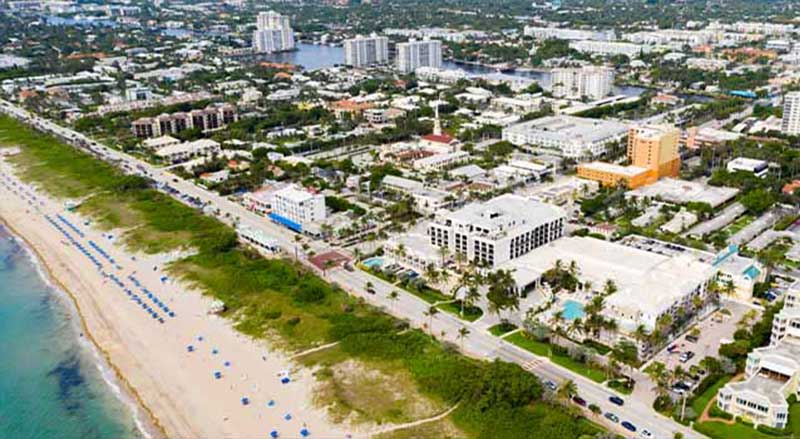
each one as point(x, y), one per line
point(716, 329)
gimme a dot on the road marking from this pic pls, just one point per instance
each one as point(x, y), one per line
point(532, 365)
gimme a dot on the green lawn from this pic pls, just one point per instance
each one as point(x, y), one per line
point(718, 430)
point(522, 340)
point(502, 328)
point(620, 387)
point(700, 402)
point(739, 224)
point(471, 313)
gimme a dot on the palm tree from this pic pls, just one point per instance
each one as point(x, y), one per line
point(357, 254)
point(472, 295)
point(394, 296)
point(566, 390)
point(575, 327)
point(443, 252)
point(610, 287)
point(573, 268)
point(431, 312)
point(432, 273)
point(463, 332)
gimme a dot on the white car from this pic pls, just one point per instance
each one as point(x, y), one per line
point(646, 434)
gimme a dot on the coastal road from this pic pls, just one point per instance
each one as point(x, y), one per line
point(478, 343)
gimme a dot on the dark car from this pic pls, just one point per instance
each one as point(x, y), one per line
point(371, 290)
point(628, 426)
point(578, 400)
point(611, 417)
point(616, 400)
point(691, 339)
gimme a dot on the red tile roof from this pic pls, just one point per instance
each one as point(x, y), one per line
point(438, 138)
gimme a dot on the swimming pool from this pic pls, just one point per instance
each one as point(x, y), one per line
point(374, 262)
point(572, 310)
point(752, 272)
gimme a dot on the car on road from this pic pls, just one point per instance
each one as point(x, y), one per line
point(611, 417)
point(371, 290)
point(672, 349)
point(646, 434)
point(578, 400)
point(616, 400)
point(628, 426)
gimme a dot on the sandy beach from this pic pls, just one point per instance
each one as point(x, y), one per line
point(194, 374)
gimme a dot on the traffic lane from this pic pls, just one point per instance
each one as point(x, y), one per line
point(481, 345)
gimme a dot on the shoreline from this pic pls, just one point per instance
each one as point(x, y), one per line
point(171, 369)
point(150, 428)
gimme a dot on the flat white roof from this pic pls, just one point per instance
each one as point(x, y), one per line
point(571, 128)
point(647, 282)
point(629, 171)
point(683, 191)
point(506, 212)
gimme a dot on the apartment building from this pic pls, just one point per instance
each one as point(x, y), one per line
point(273, 33)
point(176, 153)
point(439, 162)
point(772, 373)
point(573, 137)
point(418, 53)
point(548, 33)
point(427, 200)
point(366, 51)
point(790, 124)
point(610, 48)
point(296, 208)
point(611, 175)
point(593, 82)
point(211, 118)
point(758, 168)
point(499, 230)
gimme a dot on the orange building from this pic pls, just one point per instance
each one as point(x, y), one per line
point(655, 147)
point(652, 154)
point(609, 174)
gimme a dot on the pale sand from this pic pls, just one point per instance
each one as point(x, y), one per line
point(175, 387)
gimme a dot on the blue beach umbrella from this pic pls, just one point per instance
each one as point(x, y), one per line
point(305, 433)
point(273, 433)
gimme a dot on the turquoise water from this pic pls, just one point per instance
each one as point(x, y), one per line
point(374, 262)
point(573, 310)
point(50, 382)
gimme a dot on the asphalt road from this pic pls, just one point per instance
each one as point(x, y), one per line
point(478, 343)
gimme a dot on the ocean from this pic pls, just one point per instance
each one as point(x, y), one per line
point(53, 383)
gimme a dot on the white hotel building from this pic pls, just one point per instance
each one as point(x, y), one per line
point(573, 137)
point(296, 208)
point(499, 230)
point(416, 53)
point(772, 373)
point(366, 51)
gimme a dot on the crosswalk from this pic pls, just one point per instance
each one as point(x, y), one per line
point(532, 365)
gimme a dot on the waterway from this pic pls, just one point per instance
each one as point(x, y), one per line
point(317, 56)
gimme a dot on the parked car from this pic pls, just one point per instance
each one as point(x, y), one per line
point(628, 426)
point(550, 385)
point(578, 400)
point(672, 349)
point(691, 339)
point(371, 290)
point(686, 356)
point(646, 434)
point(616, 400)
point(611, 417)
